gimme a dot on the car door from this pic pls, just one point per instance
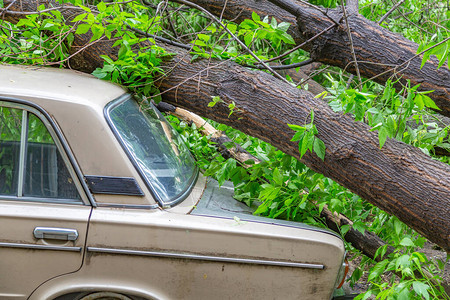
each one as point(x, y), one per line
point(44, 211)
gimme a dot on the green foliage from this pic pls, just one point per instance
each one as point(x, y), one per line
point(264, 37)
point(36, 39)
point(401, 115)
point(411, 267)
point(307, 139)
point(441, 49)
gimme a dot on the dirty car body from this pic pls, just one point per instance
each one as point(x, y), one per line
point(98, 194)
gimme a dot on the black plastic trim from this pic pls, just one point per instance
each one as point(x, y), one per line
point(113, 185)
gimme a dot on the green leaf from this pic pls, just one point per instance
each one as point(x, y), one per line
point(428, 102)
point(381, 251)
point(344, 229)
point(425, 58)
point(419, 101)
point(307, 143)
point(407, 242)
point(398, 226)
point(298, 136)
point(82, 28)
point(97, 32)
point(391, 126)
point(296, 127)
point(277, 177)
point(319, 148)
point(404, 294)
point(79, 17)
point(382, 136)
point(203, 37)
point(99, 73)
point(377, 270)
point(283, 26)
point(85, 8)
point(101, 6)
point(421, 289)
point(402, 261)
point(248, 38)
point(255, 17)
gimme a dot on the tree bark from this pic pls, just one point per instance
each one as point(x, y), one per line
point(379, 51)
point(399, 178)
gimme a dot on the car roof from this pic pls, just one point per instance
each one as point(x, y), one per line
point(48, 83)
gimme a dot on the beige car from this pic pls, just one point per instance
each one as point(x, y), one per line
point(100, 199)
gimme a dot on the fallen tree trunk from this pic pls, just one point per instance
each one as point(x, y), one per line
point(380, 53)
point(399, 178)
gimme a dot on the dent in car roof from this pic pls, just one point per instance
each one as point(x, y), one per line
point(56, 84)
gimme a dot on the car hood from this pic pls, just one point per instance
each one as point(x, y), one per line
point(217, 201)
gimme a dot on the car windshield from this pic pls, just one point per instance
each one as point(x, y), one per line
point(155, 148)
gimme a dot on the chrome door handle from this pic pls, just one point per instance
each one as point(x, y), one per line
point(53, 233)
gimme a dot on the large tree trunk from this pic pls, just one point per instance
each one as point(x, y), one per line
point(399, 178)
point(378, 50)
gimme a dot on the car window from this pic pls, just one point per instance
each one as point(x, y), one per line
point(155, 147)
point(10, 128)
point(31, 166)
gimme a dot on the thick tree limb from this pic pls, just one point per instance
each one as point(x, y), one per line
point(377, 50)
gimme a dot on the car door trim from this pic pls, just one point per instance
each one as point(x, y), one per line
point(40, 247)
point(207, 258)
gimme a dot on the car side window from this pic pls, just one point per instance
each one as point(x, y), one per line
point(31, 166)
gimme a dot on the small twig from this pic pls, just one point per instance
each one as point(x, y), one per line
point(283, 67)
point(349, 81)
point(188, 78)
point(223, 10)
point(161, 39)
point(172, 26)
point(390, 11)
point(302, 44)
point(352, 49)
point(311, 76)
point(2, 12)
